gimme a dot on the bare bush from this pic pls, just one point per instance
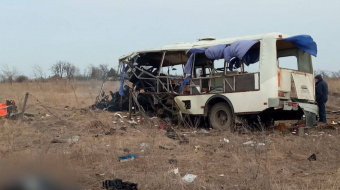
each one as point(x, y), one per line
point(21, 78)
point(38, 72)
point(9, 73)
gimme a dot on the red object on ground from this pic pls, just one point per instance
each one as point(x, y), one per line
point(298, 126)
point(3, 110)
point(162, 126)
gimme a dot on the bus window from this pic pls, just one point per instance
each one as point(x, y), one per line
point(290, 57)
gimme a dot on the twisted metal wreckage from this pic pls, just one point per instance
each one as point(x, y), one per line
point(187, 78)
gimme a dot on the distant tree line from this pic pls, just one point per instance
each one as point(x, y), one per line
point(60, 70)
point(327, 74)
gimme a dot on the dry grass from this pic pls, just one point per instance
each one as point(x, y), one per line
point(280, 164)
point(334, 93)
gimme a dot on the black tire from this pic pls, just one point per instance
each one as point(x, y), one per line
point(221, 117)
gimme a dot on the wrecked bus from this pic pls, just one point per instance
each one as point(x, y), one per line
point(265, 77)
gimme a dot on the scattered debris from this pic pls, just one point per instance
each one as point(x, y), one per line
point(334, 123)
point(281, 127)
point(118, 114)
point(132, 122)
point(162, 126)
point(312, 157)
point(204, 131)
point(189, 178)
point(176, 171)
point(249, 143)
point(166, 148)
point(73, 139)
point(226, 140)
point(172, 161)
point(261, 144)
point(171, 133)
point(196, 147)
point(153, 117)
point(70, 140)
point(28, 115)
point(221, 175)
point(128, 157)
point(118, 184)
point(144, 145)
point(58, 141)
point(117, 102)
point(111, 132)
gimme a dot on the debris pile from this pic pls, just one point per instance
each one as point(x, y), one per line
point(116, 103)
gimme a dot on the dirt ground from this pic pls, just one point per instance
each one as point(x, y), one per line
point(64, 135)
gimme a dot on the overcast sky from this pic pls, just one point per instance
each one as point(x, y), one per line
point(97, 32)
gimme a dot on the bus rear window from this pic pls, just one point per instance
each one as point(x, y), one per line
point(290, 57)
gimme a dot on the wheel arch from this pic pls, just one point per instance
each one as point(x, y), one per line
point(214, 100)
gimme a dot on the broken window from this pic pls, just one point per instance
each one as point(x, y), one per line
point(290, 57)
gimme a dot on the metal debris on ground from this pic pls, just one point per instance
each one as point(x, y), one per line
point(117, 102)
point(312, 157)
point(171, 133)
point(166, 148)
point(118, 184)
point(189, 178)
point(128, 157)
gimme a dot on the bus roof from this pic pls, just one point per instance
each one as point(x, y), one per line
point(203, 43)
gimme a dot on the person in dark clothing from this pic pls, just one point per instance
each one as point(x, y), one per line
point(321, 93)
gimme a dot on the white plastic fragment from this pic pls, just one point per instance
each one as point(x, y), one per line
point(226, 140)
point(189, 178)
point(153, 117)
point(261, 144)
point(117, 114)
point(47, 115)
point(204, 131)
point(144, 145)
point(132, 122)
point(249, 143)
point(114, 122)
point(221, 175)
point(176, 171)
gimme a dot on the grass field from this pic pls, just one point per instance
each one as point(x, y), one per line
point(89, 143)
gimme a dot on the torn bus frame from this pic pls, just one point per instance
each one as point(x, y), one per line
point(155, 92)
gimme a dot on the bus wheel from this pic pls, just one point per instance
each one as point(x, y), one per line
point(221, 117)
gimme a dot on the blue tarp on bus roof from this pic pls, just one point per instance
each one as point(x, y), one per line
point(215, 52)
point(238, 49)
point(188, 65)
point(305, 43)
